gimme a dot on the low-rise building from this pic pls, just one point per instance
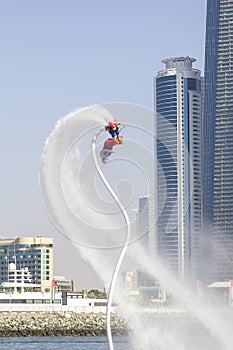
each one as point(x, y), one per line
point(62, 285)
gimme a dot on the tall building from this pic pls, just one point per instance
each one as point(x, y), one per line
point(148, 287)
point(26, 261)
point(146, 224)
point(178, 185)
point(218, 139)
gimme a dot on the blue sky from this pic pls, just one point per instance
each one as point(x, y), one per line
point(59, 55)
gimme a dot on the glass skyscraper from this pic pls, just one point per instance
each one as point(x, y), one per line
point(146, 224)
point(218, 140)
point(178, 185)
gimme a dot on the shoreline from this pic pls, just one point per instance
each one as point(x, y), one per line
point(25, 324)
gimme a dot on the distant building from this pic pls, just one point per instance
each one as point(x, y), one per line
point(146, 224)
point(178, 175)
point(62, 284)
point(149, 288)
point(26, 261)
point(218, 140)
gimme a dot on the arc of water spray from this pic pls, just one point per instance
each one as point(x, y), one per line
point(124, 247)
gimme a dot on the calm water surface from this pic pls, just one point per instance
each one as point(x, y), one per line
point(197, 341)
point(63, 343)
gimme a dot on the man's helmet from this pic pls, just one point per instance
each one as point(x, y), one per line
point(111, 124)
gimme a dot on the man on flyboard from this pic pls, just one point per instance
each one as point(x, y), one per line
point(113, 128)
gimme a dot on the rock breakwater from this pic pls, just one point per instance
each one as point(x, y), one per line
point(58, 324)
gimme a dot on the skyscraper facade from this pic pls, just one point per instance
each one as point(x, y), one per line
point(178, 185)
point(218, 139)
point(146, 224)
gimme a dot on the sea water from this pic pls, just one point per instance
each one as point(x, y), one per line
point(196, 341)
point(63, 343)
